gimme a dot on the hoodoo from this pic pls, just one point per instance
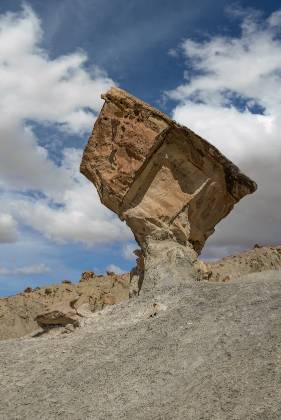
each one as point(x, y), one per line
point(164, 180)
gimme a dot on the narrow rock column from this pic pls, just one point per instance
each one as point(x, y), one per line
point(168, 264)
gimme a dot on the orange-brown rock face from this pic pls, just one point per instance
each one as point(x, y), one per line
point(161, 178)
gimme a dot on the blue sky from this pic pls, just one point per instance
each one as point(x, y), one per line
point(214, 66)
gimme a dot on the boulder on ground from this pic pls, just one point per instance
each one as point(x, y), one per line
point(87, 275)
point(61, 314)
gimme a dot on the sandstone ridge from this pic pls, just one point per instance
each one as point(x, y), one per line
point(61, 305)
point(258, 259)
point(164, 180)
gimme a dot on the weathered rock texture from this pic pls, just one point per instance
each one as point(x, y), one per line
point(60, 305)
point(61, 314)
point(166, 264)
point(260, 258)
point(161, 178)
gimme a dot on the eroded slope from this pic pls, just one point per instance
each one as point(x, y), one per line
point(18, 313)
point(204, 351)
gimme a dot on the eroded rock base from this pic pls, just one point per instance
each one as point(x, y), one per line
point(165, 264)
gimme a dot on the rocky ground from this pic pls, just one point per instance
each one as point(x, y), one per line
point(60, 304)
point(203, 350)
point(67, 303)
point(255, 260)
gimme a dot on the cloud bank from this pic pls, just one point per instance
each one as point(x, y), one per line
point(231, 95)
point(24, 271)
point(62, 94)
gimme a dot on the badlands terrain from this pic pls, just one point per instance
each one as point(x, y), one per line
point(177, 337)
point(60, 305)
point(203, 350)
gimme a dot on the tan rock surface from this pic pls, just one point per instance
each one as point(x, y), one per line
point(93, 293)
point(60, 304)
point(161, 178)
point(254, 260)
point(61, 314)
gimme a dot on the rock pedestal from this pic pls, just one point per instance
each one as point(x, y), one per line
point(164, 180)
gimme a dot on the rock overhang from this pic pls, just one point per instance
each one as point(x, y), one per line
point(160, 177)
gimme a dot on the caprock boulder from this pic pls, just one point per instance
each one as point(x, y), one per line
point(160, 177)
point(164, 180)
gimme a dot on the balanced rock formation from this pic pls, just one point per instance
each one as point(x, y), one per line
point(170, 186)
point(161, 178)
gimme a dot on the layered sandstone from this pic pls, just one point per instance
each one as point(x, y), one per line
point(164, 180)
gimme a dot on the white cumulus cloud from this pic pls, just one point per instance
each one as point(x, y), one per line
point(8, 228)
point(76, 216)
point(232, 96)
point(62, 94)
point(115, 269)
point(128, 251)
